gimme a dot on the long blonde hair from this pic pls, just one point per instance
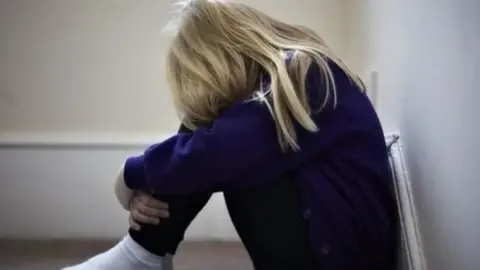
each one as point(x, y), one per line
point(220, 49)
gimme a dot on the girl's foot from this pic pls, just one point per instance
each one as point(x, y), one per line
point(126, 255)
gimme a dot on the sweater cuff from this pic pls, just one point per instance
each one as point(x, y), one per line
point(134, 174)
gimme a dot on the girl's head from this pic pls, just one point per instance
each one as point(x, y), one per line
point(220, 50)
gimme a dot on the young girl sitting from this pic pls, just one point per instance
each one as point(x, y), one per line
point(277, 122)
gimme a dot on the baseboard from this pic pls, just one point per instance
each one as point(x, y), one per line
point(80, 139)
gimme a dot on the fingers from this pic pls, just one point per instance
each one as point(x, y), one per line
point(149, 201)
point(147, 210)
point(150, 206)
point(152, 212)
point(134, 225)
point(143, 204)
point(142, 218)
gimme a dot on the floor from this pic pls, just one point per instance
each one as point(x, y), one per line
point(53, 255)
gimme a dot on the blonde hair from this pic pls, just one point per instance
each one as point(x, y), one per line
point(221, 48)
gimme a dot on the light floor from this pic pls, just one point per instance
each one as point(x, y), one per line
point(53, 255)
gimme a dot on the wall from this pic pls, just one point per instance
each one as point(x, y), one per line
point(97, 66)
point(63, 189)
point(427, 57)
point(81, 88)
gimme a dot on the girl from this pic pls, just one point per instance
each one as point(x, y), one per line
point(289, 126)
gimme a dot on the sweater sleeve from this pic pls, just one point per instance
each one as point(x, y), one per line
point(239, 150)
point(241, 140)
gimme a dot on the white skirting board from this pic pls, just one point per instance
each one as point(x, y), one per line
point(61, 186)
point(411, 255)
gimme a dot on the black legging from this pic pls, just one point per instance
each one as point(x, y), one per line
point(267, 218)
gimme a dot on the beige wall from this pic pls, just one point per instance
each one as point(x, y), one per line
point(97, 66)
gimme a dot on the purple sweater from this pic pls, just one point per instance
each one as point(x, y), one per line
point(342, 171)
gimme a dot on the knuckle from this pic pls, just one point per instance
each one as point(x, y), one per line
point(149, 201)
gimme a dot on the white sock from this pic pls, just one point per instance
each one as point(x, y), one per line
point(126, 255)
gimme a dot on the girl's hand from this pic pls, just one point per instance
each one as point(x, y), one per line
point(144, 209)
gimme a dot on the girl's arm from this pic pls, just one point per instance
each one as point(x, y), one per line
point(243, 139)
point(239, 150)
point(122, 192)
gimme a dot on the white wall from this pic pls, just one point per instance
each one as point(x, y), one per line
point(427, 56)
point(81, 88)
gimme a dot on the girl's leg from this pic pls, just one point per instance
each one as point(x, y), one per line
point(269, 220)
point(152, 247)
